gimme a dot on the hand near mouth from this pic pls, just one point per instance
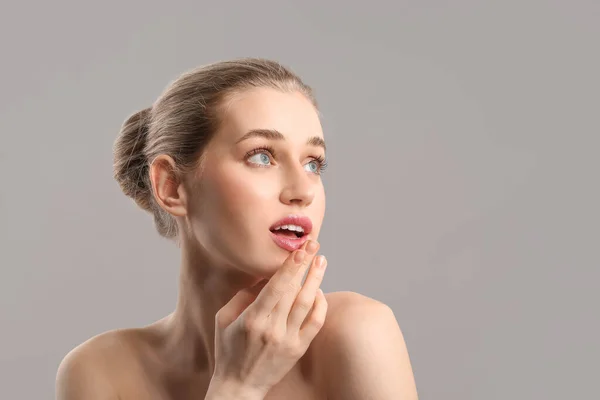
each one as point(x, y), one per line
point(260, 337)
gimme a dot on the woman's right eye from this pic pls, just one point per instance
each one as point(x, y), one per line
point(260, 158)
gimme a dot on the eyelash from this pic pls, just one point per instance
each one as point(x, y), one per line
point(268, 149)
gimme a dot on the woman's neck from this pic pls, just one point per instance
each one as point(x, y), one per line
point(204, 288)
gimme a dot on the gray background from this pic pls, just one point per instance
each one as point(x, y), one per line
point(462, 189)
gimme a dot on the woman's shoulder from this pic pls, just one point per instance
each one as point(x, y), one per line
point(346, 307)
point(353, 320)
point(361, 348)
point(344, 310)
point(346, 313)
point(96, 364)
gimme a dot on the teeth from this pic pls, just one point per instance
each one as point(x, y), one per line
point(290, 228)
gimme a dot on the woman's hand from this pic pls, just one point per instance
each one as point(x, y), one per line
point(263, 331)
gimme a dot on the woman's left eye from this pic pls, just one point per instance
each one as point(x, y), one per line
point(260, 158)
point(313, 166)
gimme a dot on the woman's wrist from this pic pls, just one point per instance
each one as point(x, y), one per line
point(229, 390)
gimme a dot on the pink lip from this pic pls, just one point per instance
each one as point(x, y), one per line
point(289, 243)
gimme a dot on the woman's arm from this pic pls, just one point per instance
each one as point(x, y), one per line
point(367, 355)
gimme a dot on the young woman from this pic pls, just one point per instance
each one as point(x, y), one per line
point(228, 160)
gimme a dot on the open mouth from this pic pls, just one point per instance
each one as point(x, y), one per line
point(289, 231)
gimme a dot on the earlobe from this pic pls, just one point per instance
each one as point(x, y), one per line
point(168, 186)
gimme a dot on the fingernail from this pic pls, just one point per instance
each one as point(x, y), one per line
point(299, 256)
point(321, 262)
point(311, 247)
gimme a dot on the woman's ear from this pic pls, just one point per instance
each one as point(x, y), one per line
point(168, 186)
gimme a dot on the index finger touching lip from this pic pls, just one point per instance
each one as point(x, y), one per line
point(290, 273)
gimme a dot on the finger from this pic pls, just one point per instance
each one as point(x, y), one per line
point(278, 285)
point(315, 320)
point(238, 303)
point(305, 300)
point(282, 309)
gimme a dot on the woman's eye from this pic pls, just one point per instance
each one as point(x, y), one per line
point(260, 158)
point(313, 166)
point(263, 158)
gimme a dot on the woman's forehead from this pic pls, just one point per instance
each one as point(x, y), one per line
point(289, 113)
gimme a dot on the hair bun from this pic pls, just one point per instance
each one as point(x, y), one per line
point(130, 161)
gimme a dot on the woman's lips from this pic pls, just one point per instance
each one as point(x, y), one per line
point(301, 220)
point(288, 243)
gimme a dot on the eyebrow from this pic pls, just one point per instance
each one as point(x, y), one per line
point(272, 134)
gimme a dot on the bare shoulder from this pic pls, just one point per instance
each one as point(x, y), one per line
point(344, 309)
point(91, 370)
point(347, 309)
point(360, 351)
point(351, 301)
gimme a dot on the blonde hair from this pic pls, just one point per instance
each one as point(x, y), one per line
point(183, 120)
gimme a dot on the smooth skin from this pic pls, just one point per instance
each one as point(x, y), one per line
point(232, 275)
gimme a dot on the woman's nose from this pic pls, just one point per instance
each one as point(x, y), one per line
point(298, 188)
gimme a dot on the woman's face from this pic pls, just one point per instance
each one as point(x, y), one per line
point(262, 165)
